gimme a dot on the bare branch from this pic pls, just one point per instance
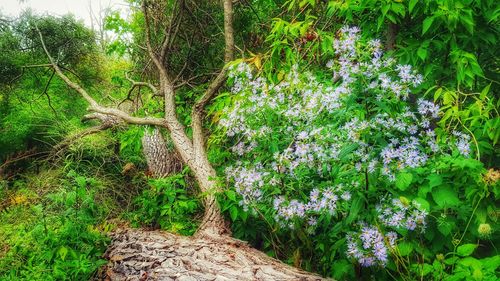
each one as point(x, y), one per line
point(159, 65)
point(139, 83)
point(47, 94)
point(171, 31)
point(60, 147)
point(94, 106)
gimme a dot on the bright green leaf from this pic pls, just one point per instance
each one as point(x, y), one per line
point(403, 180)
point(445, 196)
point(466, 249)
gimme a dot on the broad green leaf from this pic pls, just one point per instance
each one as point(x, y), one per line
point(435, 180)
point(403, 180)
point(233, 212)
point(405, 248)
point(424, 204)
point(445, 227)
point(466, 249)
point(471, 262)
point(427, 24)
point(491, 263)
point(231, 195)
point(445, 196)
point(422, 53)
point(426, 269)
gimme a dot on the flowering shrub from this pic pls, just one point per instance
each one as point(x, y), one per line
point(402, 214)
point(369, 247)
point(344, 143)
point(358, 122)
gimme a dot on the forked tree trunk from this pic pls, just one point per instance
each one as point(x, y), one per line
point(161, 161)
point(210, 254)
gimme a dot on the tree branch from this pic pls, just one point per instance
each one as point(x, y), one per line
point(170, 35)
point(139, 83)
point(60, 147)
point(211, 91)
point(94, 106)
point(164, 78)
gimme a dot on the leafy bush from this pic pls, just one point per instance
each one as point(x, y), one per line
point(347, 163)
point(53, 236)
point(167, 204)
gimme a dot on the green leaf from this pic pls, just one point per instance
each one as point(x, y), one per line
point(426, 269)
point(403, 180)
point(342, 267)
point(233, 212)
point(445, 227)
point(491, 263)
point(435, 180)
point(62, 252)
point(467, 21)
point(346, 150)
point(438, 93)
point(356, 206)
point(424, 204)
point(445, 196)
point(471, 262)
point(484, 92)
point(231, 195)
point(411, 5)
point(422, 53)
point(405, 248)
point(427, 24)
point(466, 249)
point(81, 181)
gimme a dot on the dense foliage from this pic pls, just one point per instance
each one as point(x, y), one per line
point(350, 158)
point(358, 139)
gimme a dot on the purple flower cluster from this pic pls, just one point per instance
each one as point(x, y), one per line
point(311, 153)
point(248, 183)
point(241, 148)
point(408, 75)
point(428, 108)
point(406, 153)
point(462, 142)
point(346, 45)
point(319, 202)
point(369, 247)
point(400, 213)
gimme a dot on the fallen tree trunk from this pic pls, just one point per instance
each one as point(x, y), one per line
point(156, 255)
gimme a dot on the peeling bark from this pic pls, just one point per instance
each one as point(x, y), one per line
point(156, 255)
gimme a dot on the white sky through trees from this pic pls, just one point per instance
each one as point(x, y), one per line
point(79, 8)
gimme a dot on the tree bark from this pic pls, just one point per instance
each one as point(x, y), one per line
point(161, 162)
point(156, 255)
point(392, 32)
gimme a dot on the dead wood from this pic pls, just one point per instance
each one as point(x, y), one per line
point(155, 255)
